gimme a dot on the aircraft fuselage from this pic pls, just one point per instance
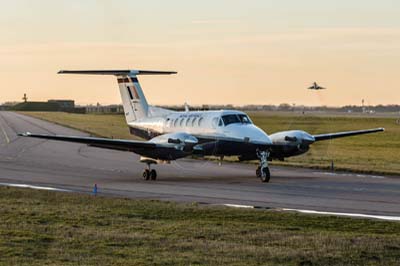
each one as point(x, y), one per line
point(208, 125)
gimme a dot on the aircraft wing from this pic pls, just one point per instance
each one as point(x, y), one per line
point(346, 134)
point(116, 144)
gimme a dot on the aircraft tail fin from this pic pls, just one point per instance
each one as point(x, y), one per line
point(133, 99)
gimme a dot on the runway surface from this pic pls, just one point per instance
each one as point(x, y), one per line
point(76, 167)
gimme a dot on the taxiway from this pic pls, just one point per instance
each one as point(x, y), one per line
point(76, 167)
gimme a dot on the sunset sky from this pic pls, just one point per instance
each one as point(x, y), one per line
point(225, 51)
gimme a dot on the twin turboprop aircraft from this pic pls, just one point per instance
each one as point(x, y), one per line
point(173, 135)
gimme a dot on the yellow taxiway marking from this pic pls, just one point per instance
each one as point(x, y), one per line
point(4, 133)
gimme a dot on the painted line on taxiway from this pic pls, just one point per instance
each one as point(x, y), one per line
point(239, 206)
point(34, 187)
point(350, 174)
point(359, 215)
point(355, 215)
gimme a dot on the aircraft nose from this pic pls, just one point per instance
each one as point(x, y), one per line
point(249, 133)
point(261, 136)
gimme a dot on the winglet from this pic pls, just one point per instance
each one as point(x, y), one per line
point(25, 134)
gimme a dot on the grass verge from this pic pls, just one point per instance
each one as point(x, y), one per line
point(53, 228)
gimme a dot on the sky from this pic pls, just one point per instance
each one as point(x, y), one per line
point(225, 51)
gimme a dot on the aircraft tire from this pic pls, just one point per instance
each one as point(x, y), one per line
point(267, 175)
point(153, 174)
point(146, 174)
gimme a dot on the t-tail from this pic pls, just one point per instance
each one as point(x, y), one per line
point(133, 99)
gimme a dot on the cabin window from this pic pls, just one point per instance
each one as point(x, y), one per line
point(181, 123)
point(187, 121)
point(194, 121)
point(220, 123)
point(176, 122)
point(200, 121)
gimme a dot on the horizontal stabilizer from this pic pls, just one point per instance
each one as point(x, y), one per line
point(124, 72)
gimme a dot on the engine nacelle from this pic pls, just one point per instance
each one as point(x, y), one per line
point(295, 142)
point(181, 140)
point(170, 147)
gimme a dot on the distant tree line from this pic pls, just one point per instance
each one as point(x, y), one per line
point(285, 107)
point(288, 107)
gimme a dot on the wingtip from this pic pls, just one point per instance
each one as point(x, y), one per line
point(25, 134)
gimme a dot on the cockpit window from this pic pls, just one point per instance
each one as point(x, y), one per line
point(244, 119)
point(234, 119)
point(230, 119)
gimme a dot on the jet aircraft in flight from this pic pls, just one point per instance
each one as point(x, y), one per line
point(316, 87)
point(171, 135)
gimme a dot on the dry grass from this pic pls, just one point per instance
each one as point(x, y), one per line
point(51, 228)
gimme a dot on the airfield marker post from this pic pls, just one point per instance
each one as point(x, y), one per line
point(95, 190)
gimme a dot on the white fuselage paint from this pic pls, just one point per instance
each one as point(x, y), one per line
point(206, 124)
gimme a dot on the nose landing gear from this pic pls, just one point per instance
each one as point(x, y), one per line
point(262, 171)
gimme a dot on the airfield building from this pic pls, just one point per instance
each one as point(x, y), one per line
point(105, 109)
point(64, 104)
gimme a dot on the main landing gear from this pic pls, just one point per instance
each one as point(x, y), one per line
point(149, 174)
point(262, 171)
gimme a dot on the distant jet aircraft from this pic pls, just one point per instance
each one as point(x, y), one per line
point(172, 135)
point(315, 86)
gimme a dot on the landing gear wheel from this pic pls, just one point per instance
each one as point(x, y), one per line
point(258, 172)
point(263, 171)
point(265, 175)
point(153, 174)
point(146, 174)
